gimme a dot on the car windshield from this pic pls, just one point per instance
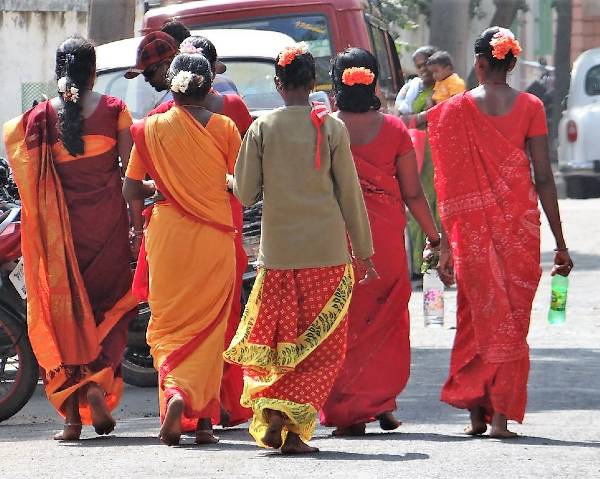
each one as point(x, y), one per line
point(253, 80)
point(311, 29)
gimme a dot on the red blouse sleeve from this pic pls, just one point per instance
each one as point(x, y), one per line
point(402, 136)
point(537, 124)
point(235, 108)
point(162, 108)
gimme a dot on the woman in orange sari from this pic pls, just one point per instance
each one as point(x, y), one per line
point(232, 106)
point(189, 246)
point(489, 209)
point(64, 154)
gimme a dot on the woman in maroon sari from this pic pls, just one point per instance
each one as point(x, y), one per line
point(65, 157)
point(489, 209)
point(377, 362)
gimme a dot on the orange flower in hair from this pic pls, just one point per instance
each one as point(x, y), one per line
point(503, 42)
point(357, 76)
point(289, 54)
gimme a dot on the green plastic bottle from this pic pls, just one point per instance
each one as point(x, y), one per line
point(558, 302)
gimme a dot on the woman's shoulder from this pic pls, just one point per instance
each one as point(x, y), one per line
point(394, 122)
point(531, 101)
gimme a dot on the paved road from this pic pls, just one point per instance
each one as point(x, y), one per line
point(560, 436)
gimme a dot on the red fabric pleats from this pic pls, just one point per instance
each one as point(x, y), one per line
point(377, 364)
point(497, 387)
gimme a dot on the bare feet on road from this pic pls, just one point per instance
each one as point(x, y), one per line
point(478, 425)
point(294, 445)
point(102, 420)
point(272, 437)
point(170, 431)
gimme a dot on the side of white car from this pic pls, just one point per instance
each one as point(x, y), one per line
point(579, 128)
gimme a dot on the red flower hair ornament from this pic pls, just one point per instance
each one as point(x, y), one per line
point(357, 76)
point(503, 42)
point(289, 54)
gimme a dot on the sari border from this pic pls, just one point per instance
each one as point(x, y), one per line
point(266, 360)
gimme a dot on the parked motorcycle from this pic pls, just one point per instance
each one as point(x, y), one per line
point(19, 370)
point(137, 366)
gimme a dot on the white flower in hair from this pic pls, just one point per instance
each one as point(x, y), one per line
point(74, 94)
point(181, 82)
point(62, 84)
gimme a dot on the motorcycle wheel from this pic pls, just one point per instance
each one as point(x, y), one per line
point(19, 370)
point(138, 369)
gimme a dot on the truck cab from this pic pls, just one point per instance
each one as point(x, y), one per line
point(327, 27)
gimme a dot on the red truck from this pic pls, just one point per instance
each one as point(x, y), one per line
point(327, 26)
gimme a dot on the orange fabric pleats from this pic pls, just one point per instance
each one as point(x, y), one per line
point(64, 332)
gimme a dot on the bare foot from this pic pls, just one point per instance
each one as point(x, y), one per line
point(204, 432)
point(478, 425)
point(388, 422)
point(500, 428)
point(170, 431)
point(102, 420)
point(70, 432)
point(294, 445)
point(272, 437)
point(351, 431)
point(224, 419)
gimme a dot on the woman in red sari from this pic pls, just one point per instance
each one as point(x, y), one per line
point(377, 362)
point(65, 157)
point(489, 209)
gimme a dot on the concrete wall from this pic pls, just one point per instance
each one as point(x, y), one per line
point(30, 32)
point(28, 41)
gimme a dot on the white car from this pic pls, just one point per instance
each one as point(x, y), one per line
point(248, 54)
point(579, 128)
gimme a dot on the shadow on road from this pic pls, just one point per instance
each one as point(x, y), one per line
point(354, 456)
point(561, 379)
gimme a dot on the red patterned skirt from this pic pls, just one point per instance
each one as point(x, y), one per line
point(291, 343)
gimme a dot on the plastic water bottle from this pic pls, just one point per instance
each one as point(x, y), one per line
point(558, 302)
point(433, 299)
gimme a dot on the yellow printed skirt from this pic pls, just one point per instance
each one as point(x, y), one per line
point(291, 343)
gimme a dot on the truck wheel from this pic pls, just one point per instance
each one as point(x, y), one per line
point(19, 370)
point(576, 187)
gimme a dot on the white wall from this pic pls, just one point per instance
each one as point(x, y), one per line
point(28, 42)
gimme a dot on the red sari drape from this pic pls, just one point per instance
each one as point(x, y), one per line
point(377, 364)
point(488, 206)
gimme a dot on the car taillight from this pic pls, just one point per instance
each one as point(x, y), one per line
point(571, 131)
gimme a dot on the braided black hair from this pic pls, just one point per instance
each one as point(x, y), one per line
point(355, 98)
point(198, 66)
point(300, 73)
point(76, 63)
point(483, 48)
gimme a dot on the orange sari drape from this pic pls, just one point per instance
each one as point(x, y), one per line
point(65, 335)
point(488, 206)
point(190, 253)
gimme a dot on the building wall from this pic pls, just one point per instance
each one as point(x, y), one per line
point(30, 32)
point(585, 33)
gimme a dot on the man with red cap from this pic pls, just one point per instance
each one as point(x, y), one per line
point(154, 55)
